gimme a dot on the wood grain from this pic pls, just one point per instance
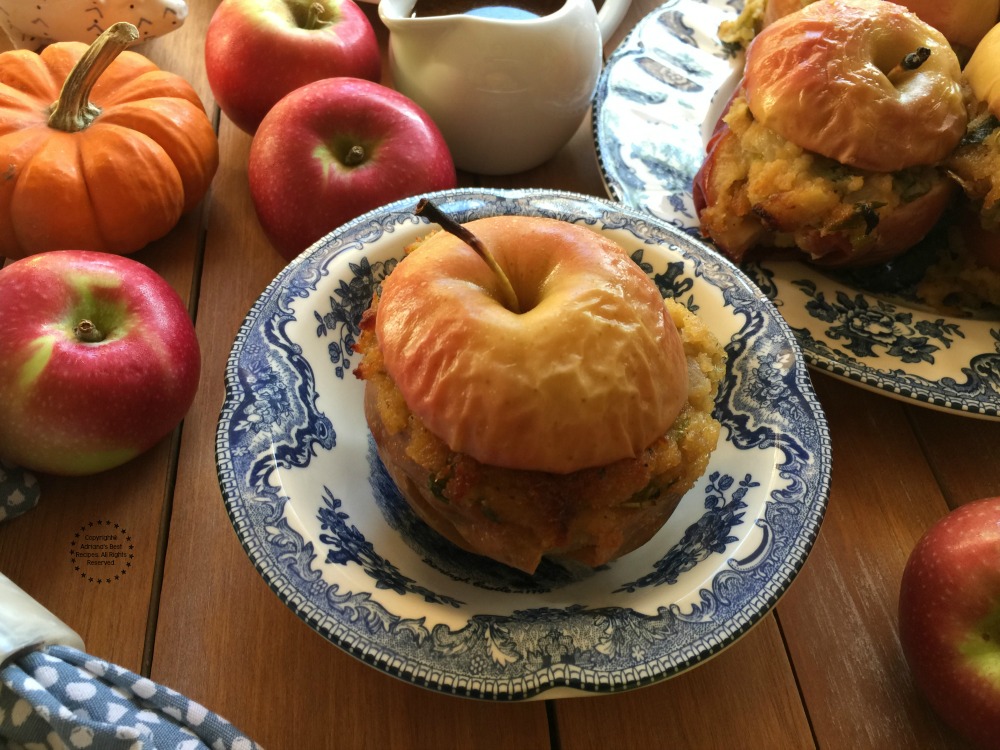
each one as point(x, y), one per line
point(822, 670)
point(839, 617)
point(749, 684)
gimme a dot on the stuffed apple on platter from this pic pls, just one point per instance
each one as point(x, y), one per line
point(886, 322)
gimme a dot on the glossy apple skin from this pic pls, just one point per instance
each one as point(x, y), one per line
point(70, 407)
point(816, 78)
point(963, 22)
point(949, 619)
point(256, 51)
point(590, 371)
point(301, 183)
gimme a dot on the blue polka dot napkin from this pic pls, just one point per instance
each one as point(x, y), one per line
point(60, 698)
point(18, 491)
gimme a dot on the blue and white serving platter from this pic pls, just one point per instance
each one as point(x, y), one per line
point(328, 531)
point(658, 98)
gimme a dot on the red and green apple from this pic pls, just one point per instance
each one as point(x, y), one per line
point(949, 619)
point(100, 361)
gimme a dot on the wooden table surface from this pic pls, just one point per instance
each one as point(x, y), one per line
point(822, 669)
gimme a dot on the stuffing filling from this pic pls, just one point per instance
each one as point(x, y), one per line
point(517, 517)
point(770, 193)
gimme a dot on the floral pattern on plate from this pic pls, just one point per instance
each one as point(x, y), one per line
point(319, 517)
point(657, 99)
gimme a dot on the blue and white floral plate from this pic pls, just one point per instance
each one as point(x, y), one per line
point(657, 100)
point(328, 531)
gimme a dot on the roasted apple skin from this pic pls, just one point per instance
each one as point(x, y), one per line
point(829, 79)
point(532, 378)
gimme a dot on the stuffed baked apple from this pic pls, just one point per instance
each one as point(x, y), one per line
point(550, 405)
point(833, 142)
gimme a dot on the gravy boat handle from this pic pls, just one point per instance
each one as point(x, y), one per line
point(610, 16)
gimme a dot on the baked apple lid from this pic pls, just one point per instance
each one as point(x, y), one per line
point(587, 371)
point(863, 82)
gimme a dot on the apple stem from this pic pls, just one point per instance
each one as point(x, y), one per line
point(87, 332)
point(910, 62)
point(354, 156)
point(425, 207)
point(73, 111)
point(314, 17)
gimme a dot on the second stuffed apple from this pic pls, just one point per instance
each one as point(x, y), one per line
point(256, 51)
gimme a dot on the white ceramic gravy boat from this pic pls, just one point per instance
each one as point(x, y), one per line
point(506, 94)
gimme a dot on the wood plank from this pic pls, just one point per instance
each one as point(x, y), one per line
point(35, 549)
point(964, 454)
point(839, 616)
point(743, 697)
point(35, 552)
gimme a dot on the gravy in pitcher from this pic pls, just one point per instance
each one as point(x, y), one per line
point(509, 10)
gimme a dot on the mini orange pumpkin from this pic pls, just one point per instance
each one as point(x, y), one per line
point(99, 148)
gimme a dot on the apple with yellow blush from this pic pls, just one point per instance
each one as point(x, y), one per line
point(983, 70)
point(949, 619)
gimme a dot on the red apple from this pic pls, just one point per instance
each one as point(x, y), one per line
point(334, 149)
point(256, 51)
point(949, 619)
point(100, 361)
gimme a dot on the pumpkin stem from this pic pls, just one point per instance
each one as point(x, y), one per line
point(73, 110)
